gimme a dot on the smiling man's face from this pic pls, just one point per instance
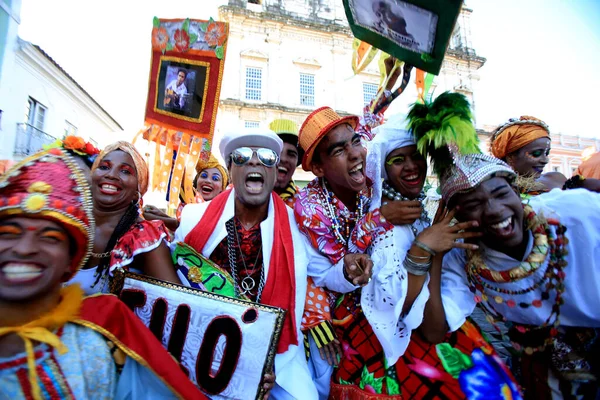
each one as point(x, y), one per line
point(287, 165)
point(497, 208)
point(341, 160)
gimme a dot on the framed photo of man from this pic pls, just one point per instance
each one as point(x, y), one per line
point(182, 88)
point(414, 31)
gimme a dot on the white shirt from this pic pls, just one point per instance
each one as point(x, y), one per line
point(579, 211)
point(383, 298)
point(181, 90)
point(293, 379)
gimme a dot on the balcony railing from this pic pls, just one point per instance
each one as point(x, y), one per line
point(30, 140)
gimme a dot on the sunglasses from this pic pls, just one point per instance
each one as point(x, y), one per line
point(242, 155)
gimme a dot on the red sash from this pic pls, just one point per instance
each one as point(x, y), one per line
point(280, 288)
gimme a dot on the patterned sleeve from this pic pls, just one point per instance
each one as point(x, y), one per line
point(142, 237)
point(370, 226)
point(311, 221)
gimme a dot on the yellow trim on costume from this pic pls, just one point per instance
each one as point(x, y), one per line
point(125, 349)
point(39, 330)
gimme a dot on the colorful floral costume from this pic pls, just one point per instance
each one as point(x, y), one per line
point(91, 347)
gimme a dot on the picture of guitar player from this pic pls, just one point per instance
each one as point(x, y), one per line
point(180, 89)
point(176, 91)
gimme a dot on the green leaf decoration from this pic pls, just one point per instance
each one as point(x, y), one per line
point(156, 22)
point(203, 26)
point(393, 388)
point(453, 360)
point(193, 38)
point(343, 382)
point(169, 46)
point(220, 52)
point(367, 379)
point(186, 25)
point(211, 20)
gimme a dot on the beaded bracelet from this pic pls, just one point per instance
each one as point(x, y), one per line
point(424, 247)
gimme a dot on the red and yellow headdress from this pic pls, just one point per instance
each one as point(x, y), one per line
point(50, 185)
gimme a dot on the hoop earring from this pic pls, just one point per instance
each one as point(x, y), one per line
point(139, 202)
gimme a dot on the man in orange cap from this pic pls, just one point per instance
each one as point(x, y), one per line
point(332, 210)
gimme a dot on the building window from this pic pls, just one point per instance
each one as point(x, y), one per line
point(369, 92)
point(35, 114)
point(254, 1)
point(70, 129)
point(307, 90)
point(253, 83)
point(251, 124)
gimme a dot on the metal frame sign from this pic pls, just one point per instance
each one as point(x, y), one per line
point(225, 345)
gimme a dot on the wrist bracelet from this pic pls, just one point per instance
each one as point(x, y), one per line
point(414, 268)
point(412, 256)
point(424, 247)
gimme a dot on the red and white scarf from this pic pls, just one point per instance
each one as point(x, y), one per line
point(280, 287)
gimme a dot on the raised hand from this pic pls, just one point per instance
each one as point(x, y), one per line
point(401, 212)
point(442, 237)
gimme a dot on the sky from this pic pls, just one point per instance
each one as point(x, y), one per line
point(543, 56)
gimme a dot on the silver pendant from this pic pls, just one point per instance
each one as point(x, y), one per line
point(247, 284)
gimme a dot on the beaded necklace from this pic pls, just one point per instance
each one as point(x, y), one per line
point(553, 278)
point(341, 222)
point(526, 268)
point(392, 194)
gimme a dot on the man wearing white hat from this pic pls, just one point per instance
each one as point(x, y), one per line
point(252, 234)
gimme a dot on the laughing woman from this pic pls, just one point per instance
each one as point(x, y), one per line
point(122, 238)
point(210, 181)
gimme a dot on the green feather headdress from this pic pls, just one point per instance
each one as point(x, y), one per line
point(443, 129)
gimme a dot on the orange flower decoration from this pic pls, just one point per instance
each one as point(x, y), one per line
point(215, 34)
point(73, 143)
point(160, 38)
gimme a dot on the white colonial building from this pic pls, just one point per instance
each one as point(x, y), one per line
point(40, 101)
point(286, 58)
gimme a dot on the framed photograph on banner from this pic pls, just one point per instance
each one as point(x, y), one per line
point(182, 88)
point(225, 345)
point(186, 71)
point(414, 31)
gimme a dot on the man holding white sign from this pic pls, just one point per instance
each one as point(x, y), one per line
point(250, 233)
